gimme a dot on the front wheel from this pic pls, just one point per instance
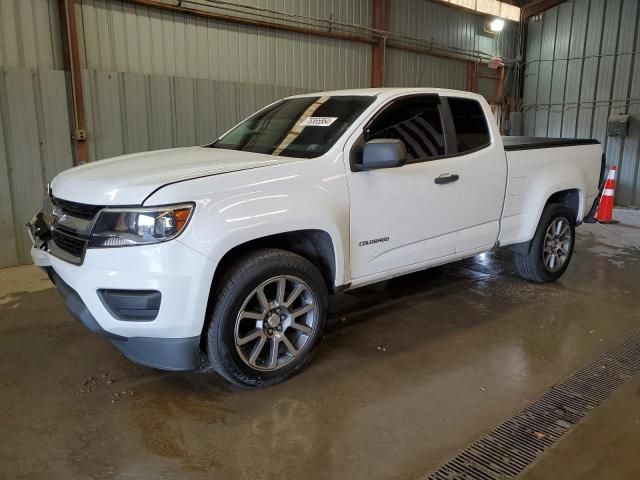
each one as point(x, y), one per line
point(268, 317)
point(551, 248)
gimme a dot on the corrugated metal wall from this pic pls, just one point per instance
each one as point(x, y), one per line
point(408, 69)
point(152, 69)
point(132, 112)
point(29, 34)
point(443, 25)
point(583, 65)
point(34, 117)
point(119, 36)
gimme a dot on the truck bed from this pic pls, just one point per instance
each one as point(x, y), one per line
point(530, 143)
point(534, 176)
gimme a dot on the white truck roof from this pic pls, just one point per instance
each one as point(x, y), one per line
point(390, 92)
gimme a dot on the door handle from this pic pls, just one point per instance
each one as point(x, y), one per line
point(446, 178)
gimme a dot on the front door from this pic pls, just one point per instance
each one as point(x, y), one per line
point(407, 215)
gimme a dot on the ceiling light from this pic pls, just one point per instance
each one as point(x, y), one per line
point(496, 25)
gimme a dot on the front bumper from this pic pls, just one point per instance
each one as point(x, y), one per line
point(182, 276)
point(163, 353)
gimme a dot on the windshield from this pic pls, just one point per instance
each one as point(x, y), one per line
point(305, 127)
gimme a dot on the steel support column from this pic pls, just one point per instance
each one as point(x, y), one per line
point(72, 61)
point(500, 86)
point(380, 11)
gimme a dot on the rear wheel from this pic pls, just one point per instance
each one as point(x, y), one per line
point(551, 248)
point(269, 316)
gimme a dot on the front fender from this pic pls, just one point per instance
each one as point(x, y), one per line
point(235, 208)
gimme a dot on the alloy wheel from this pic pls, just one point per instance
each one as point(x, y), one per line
point(275, 323)
point(557, 244)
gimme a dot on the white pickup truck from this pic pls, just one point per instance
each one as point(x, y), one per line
point(222, 256)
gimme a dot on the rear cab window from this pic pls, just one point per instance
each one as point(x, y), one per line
point(470, 124)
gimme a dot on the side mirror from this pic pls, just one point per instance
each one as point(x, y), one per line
point(383, 153)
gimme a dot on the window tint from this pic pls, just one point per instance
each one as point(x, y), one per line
point(470, 123)
point(303, 127)
point(414, 120)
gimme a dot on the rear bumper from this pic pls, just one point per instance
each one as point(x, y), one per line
point(162, 353)
point(590, 217)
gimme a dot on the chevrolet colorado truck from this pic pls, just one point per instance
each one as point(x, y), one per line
point(221, 257)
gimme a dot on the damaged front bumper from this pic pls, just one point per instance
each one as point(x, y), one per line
point(182, 353)
point(40, 236)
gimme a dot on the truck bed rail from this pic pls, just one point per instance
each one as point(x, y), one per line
point(530, 143)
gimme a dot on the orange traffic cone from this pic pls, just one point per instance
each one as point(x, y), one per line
point(604, 214)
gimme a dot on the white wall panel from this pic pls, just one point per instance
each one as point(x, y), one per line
point(602, 78)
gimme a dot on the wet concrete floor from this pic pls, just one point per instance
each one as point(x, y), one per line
point(411, 371)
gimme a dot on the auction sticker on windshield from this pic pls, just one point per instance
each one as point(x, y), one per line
point(318, 121)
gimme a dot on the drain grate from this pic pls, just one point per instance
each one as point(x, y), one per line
point(513, 446)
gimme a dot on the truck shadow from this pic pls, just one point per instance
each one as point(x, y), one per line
point(435, 283)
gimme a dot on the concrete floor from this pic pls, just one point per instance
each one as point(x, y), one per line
point(412, 371)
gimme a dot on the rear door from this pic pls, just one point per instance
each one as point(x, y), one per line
point(484, 172)
point(401, 216)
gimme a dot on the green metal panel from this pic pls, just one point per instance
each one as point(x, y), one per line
point(8, 252)
point(29, 34)
point(136, 126)
point(53, 119)
point(205, 107)
point(117, 36)
point(160, 112)
point(185, 126)
point(22, 138)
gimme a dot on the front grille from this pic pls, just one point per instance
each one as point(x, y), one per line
point(80, 210)
point(69, 243)
point(70, 224)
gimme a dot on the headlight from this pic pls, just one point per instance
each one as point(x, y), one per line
point(121, 227)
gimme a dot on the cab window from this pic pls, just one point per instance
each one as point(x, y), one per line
point(470, 123)
point(416, 121)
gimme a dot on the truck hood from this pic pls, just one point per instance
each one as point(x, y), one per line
point(130, 179)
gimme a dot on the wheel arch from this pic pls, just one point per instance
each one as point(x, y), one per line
point(572, 198)
point(315, 245)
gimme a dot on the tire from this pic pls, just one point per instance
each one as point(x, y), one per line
point(536, 265)
point(252, 314)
